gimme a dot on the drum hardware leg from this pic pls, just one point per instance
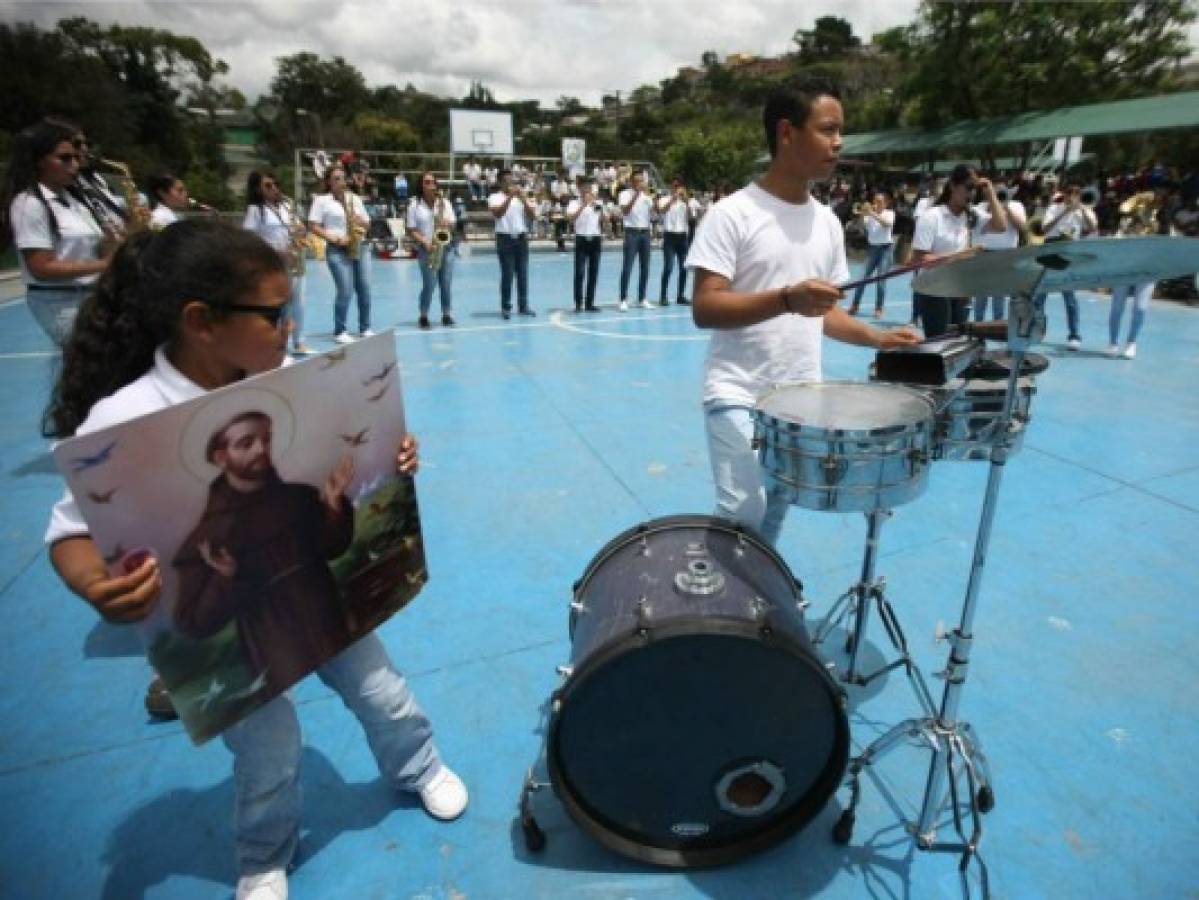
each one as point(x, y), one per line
point(534, 836)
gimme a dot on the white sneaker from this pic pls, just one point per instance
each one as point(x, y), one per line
point(270, 885)
point(1113, 350)
point(1130, 352)
point(445, 796)
point(645, 304)
point(1074, 343)
point(342, 338)
point(366, 334)
point(623, 306)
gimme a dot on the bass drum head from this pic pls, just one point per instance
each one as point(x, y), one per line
point(698, 744)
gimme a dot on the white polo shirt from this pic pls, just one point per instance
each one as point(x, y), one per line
point(421, 217)
point(271, 223)
point(938, 231)
point(638, 215)
point(514, 221)
point(1071, 224)
point(328, 212)
point(162, 216)
point(878, 231)
point(79, 235)
point(674, 218)
point(588, 224)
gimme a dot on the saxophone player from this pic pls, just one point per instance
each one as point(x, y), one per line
point(430, 224)
point(271, 216)
point(339, 218)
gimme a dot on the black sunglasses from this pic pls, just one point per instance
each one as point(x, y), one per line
point(272, 314)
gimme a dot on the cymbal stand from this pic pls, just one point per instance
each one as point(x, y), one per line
point(955, 748)
point(855, 604)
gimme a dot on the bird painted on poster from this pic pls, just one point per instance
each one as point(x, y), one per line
point(381, 376)
point(357, 440)
point(375, 398)
point(80, 463)
point(333, 357)
point(97, 497)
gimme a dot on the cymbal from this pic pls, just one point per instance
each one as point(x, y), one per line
point(1067, 266)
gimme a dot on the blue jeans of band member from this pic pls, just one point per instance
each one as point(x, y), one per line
point(266, 749)
point(636, 243)
point(674, 245)
point(998, 308)
point(741, 490)
point(1141, 294)
point(1071, 313)
point(443, 278)
point(878, 258)
point(295, 310)
point(346, 271)
point(587, 257)
point(513, 252)
point(55, 310)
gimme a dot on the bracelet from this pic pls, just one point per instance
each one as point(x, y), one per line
point(785, 301)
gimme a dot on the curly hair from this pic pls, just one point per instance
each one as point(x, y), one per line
point(138, 303)
point(29, 148)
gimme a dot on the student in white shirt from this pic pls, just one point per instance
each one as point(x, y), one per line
point(944, 230)
point(513, 211)
point(879, 221)
point(339, 217)
point(168, 198)
point(635, 205)
point(1007, 239)
point(586, 216)
point(675, 210)
point(1068, 218)
point(271, 216)
point(428, 214)
point(61, 244)
point(767, 261)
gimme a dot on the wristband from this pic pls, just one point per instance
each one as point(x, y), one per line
point(785, 301)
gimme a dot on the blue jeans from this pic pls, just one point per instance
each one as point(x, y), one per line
point(998, 308)
point(674, 244)
point(741, 491)
point(266, 749)
point(295, 310)
point(1141, 294)
point(878, 259)
point(443, 278)
point(344, 271)
point(1071, 313)
point(636, 243)
point(513, 251)
point(55, 311)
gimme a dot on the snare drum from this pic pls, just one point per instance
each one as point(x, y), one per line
point(696, 723)
point(845, 446)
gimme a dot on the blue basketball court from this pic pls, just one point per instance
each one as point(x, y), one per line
point(544, 438)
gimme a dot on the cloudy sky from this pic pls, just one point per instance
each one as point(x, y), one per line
point(519, 48)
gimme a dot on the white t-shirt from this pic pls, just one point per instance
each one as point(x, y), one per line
point(162, 216)
point(472, 171)
point(1073, 224)
point(328, 212)
point(674, 219)
point(759, 243)
point(638, 215)
point(79, 235)
point(421, 218)
point(939, 231)
point(998, 240)
point(921, 205)
point(588, 224)
point(878, 230)
point(270, 223)
point(514, 221)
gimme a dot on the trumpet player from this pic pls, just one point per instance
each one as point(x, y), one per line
point(271, 216)
point(430, 223)
point(635, 205)
point(879, 221)
point(513, 212)
point(674, 209)
point(339, 218)
point(586, 215)
point(1067, 218)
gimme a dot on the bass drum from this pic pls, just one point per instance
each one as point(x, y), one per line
point(696, 724)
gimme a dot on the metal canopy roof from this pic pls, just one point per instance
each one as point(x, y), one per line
point(1147, 114)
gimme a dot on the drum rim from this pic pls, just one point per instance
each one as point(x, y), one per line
point(824, 788)
point(765, 418)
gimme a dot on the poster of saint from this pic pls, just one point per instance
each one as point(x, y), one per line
point(282, 529)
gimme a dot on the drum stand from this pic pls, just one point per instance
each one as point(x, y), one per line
point(956, 752)
point(855, 603)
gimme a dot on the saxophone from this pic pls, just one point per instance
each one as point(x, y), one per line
point(1137, 215)
point(299, 240)
point(137, 212)
point(441, 236)
point(354, 231)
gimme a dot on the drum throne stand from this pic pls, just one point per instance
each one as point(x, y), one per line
point(958, 770)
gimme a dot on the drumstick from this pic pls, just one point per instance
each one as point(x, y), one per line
point(903, 270)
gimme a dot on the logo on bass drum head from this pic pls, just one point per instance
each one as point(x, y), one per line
point(689, 829)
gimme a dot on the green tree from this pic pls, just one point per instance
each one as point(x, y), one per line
point(379, 132)
point(333, 88)
point(703, 156)
point(830, 38)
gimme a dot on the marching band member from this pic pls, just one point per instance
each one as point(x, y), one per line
point(1008, 239)
point(586, 216)
point(635, 206)
point(270, 215)
point(767, 262)
point(675, 209)
point(1141, 295)
point(879, 222)
point(61, 244)
point(338, 217)
point(513, 212)
point(168, 198)
point(430, 218)
point(1065, 219)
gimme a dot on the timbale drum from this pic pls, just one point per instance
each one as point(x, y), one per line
point(696, 723)
point(967, 427)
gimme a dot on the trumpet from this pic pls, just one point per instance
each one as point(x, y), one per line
point(1137, 214)
point(441, 236)
point(863, 208)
